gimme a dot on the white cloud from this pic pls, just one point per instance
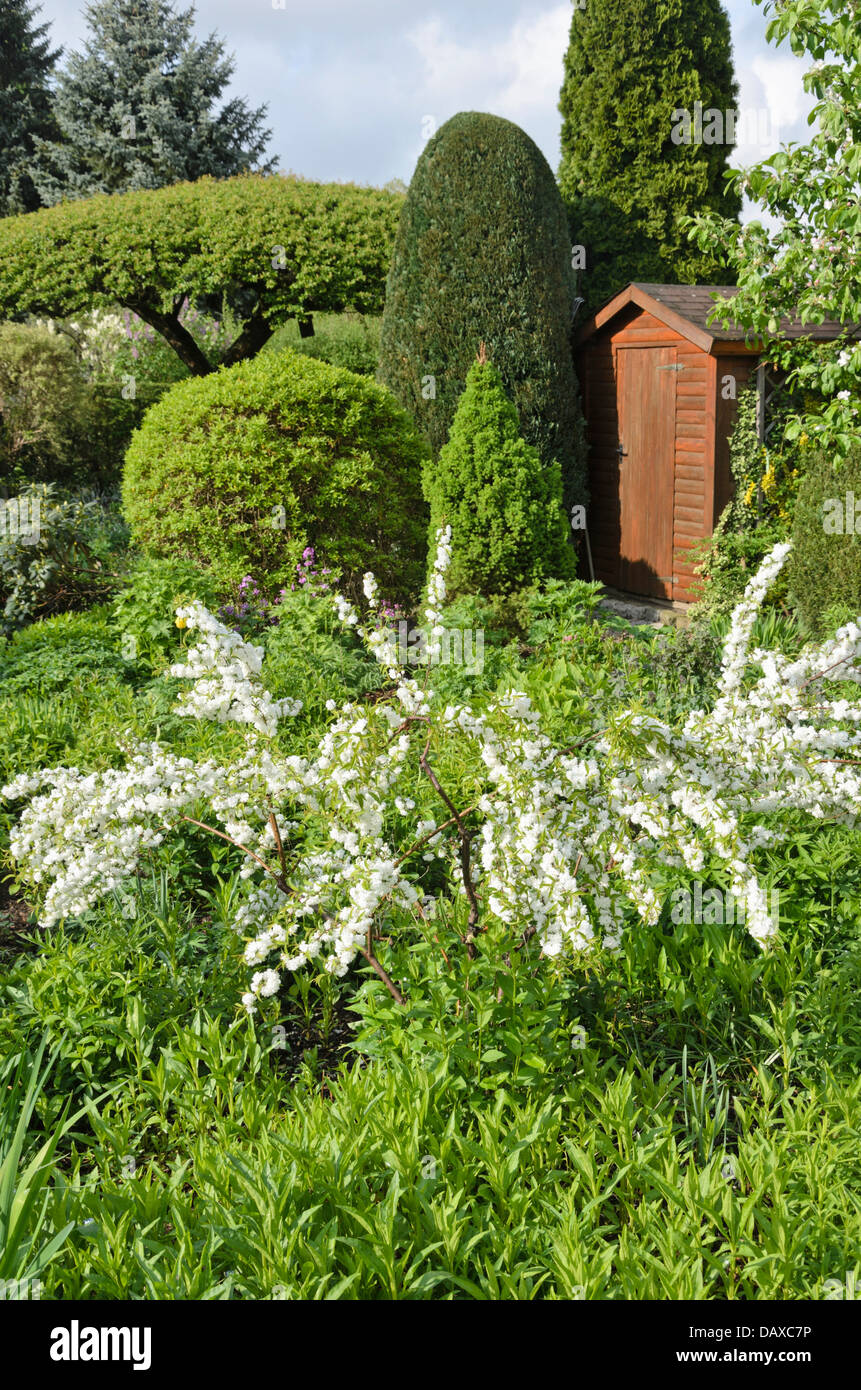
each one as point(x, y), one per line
point(348, 82)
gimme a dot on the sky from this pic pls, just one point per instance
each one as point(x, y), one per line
point(356, 87)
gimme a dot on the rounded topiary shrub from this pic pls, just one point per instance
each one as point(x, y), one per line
point(824, 569)
point(242, 469)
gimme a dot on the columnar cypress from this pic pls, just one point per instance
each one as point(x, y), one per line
point(630, 65)
point(482, 253)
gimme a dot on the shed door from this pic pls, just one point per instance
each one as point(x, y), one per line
point(647, 412)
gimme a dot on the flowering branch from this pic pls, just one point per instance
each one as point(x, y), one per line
point(571, 844)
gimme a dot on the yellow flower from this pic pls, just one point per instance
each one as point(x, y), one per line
point(803, 440)
point(182, 622)
point(749, 495)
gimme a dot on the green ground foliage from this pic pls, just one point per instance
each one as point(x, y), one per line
point(676, 1120)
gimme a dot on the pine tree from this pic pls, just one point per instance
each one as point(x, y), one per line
point(482, 252)
point(503, 505)
point(630, 65)
point(26, 65)
point(137, 110)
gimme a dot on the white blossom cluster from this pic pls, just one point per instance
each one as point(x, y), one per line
point(225, 672)
point(436, 594)
point(563, 846)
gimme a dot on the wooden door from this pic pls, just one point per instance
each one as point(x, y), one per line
point(647, 416)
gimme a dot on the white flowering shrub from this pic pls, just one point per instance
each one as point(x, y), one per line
point(566, 845)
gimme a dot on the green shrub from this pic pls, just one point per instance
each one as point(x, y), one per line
point(57, 553)
point(345, 340)
point(824, 570)
point(49, 656)
point(503, 505)
point(759, 514)
point(282, 246)
point(483, 253)
point(243, 469)
point(43, 393)
point(144, 608)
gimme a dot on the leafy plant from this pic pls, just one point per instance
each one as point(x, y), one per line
point(43, 396)
point(488, 484)
point(243, 470)
point(143, 609)
point(825, 570)
point(56, 553)
point(26, 1247)
point(290, 246)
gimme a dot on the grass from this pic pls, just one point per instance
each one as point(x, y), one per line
point(678, 1121)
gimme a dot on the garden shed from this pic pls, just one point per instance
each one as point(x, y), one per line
point(660, 391)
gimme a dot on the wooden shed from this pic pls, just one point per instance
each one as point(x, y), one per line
point(660, 392)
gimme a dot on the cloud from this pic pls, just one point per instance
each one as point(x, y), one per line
point(517, 74)
point(349, 82)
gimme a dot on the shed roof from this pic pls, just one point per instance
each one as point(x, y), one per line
point(686, 308)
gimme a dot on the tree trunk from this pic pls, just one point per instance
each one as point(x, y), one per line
point(254, 333)
point(306, 325)
point(174, 334)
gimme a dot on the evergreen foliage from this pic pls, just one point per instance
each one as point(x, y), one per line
point(825, 565)
point(242, 470)
point(138, 108)
point(26, 65)
point(482, 254)
point(504, 506)
point(630, 65)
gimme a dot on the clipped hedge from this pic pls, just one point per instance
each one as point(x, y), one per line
point(241, 470)
point(483, 254)
point(824, 569)
point(280, 246)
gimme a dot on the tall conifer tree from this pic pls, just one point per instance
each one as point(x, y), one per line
point(137, 109)
point(627, 172)
point(26, 65)
point(482, 254)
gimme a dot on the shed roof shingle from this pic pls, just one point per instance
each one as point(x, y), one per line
point(686, 308)
point(695, 303)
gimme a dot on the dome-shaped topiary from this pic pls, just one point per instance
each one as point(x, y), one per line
point(504, 506)
point(241, 470)
point(483, 253)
